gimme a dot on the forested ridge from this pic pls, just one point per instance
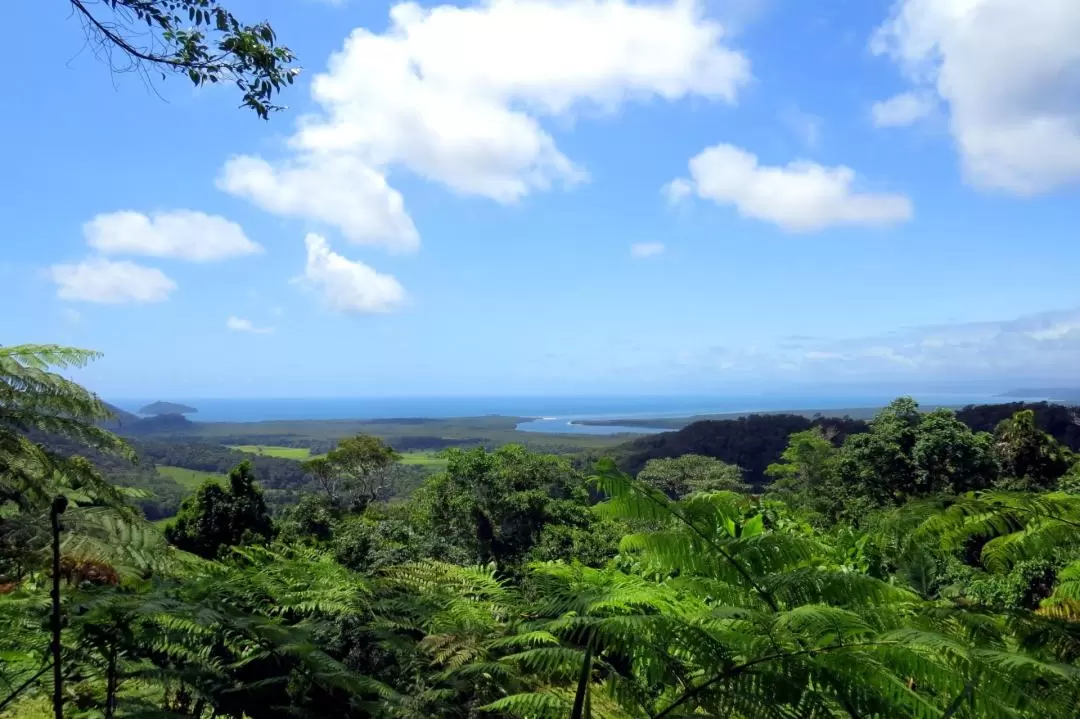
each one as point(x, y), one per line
point(916, 568)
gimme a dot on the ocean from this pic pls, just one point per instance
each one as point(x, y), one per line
point(550, 414)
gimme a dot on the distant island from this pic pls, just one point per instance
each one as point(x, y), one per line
point(158, 408)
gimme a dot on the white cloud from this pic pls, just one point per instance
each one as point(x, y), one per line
point(677, 190)
point(239, 324)
point(1056, 330)
point(107, 282)
point(1009, 71)
point(180, 234)
point(642, 250)
point(455, 95)
point(349, 286)
point(342, 191)
point(904, 109)
point(799, 197)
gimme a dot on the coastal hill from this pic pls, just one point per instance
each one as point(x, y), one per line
point(755, 441)
point(167, 408)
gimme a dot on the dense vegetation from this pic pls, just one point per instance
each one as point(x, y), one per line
point(751, 442)
point(755, 441)
point(917, 568)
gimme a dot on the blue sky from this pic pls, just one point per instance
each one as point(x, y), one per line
point(544, 196)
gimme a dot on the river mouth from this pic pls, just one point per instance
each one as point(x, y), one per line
point(570, 425)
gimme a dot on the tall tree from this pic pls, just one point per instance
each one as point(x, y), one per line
point(197, 38)
point(217, 517)
point(680, 476)
point(1030, 459)
point(806, 475)
point(496, 505)
point(949, 457)
point(908, 454)
point(354, 471)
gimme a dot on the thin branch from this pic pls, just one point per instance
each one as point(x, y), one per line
point(25, 685)
point(139, 54)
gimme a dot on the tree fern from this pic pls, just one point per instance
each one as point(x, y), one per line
point(720, 616)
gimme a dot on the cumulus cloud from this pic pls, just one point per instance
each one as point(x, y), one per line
point(339, 190)
point(904, 109)
point(1010, 75)
point(180, 234)
point(239, 324)
point(642, 250)
point(107, 282)
point(799, 197)
point(346, 285)
point(458, 98)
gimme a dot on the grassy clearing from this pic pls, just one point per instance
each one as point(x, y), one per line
point(428, 460)
point(189, 479)
point(272, 451)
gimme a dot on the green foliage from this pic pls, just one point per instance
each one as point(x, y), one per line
point(680, 476)
point(355, 472)
point(905, 455)
point(1029, 458)
point(273, 472)
point(197, 38)
point(217, 517)
point(807, 475)
point(870, 582)
point(750, 443)
point(723, 617)
point(36, 400)
point(309, 520)
point(496, 505)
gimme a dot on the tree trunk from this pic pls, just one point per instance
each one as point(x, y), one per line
point(111, 682)
point(59, 504)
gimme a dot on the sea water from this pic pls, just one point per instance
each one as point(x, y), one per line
point(544, 414)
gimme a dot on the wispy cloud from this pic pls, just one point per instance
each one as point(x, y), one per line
point(239, 324)
point(804, 125)
point(1044, 345)
point(642, 250)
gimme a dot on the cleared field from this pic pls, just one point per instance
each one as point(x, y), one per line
point(427, 460)
point(189, 479)
point(269, 450)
